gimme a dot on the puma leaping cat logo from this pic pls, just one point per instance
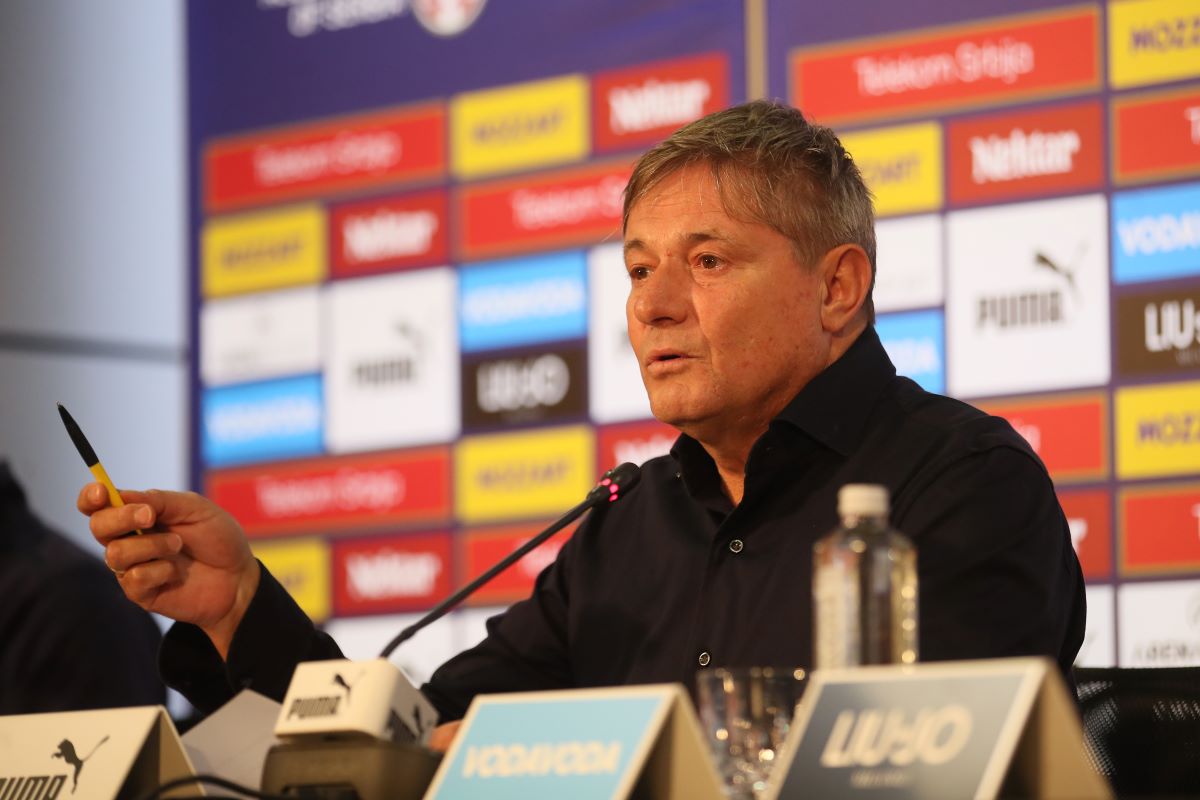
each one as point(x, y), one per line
point(66, 751)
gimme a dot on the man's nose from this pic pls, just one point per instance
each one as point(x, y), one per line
point(662, 297)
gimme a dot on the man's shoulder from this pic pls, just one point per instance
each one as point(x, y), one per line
point(954, 427)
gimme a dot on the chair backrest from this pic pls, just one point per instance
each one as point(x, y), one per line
point(1142, 727)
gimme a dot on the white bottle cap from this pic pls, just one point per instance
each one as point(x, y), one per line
point(863, 500)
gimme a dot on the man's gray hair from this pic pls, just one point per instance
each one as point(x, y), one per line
point(773, 166)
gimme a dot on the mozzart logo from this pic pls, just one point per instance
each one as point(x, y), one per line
point(902, 166)
point(1153, 41)
point(526, 125)
point(1158, 430)
point(526, 474)
point(263, 251)
point(523, 301)
point(1156, 233)
point(302, 568)
point(255, 422)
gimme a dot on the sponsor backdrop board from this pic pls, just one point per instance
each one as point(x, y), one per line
point(1035, 165)
point(409, 293)
point(408, 283)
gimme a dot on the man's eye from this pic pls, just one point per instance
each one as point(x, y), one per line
point(709, 261)
point(637, 273)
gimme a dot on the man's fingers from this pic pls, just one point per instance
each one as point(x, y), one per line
point(443, 736)
point(111, 523)
point(143, 582)
point(92, 498)
point(122, 554)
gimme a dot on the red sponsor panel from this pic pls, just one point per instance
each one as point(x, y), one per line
point(389, 234)
point(999, 157)
point(956, 66)
point(348, 153)
point(1159, 529)
point(482, 548)
point(576, 206)
point(633, 441)
point(1156, 136)
point(336, 494)
point(1089, 515)
point(390, 574)
point(643, 104)
point(1069, 432)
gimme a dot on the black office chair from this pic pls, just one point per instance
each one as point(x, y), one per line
point(1142, 727)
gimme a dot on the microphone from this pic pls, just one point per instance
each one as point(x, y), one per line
point(358, 727)
point(611, 487)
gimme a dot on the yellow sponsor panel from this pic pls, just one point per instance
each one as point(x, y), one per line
point(254, 252)
point(902, 166)
point(1158, 430)
point(1150, 41)
point(302, 567)
point(528, 474)
point(528, 125)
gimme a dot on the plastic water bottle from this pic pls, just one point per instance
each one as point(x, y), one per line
point(864, 586)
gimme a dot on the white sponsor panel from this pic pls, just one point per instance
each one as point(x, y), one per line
point(1027, 300)
point(361, 639)
point(392, 376)
point(1099, 648)
point(615, 389)
point(908, 262)
point(1159, 623)
point(261, 336)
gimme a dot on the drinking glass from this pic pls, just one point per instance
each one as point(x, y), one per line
point(747, 712)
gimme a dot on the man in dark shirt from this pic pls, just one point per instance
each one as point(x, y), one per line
point(68, 639)
point(749, 242)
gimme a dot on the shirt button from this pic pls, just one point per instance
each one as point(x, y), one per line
point(736, 546)
point(703, 659)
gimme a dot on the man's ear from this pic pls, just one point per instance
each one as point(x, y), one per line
point(845, 283)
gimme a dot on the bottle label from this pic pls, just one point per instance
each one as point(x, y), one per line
point(835, 590)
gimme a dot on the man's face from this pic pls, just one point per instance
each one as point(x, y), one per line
point(724, 319)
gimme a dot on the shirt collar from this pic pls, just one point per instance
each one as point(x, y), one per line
point(832, 409)
point(835, 405)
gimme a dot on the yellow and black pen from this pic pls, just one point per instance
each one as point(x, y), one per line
point(89, 458)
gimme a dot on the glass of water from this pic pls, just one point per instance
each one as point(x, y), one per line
point(747, 712)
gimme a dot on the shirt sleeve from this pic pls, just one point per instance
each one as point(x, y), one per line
point(997, 573)
point(526, 647)
point(274, 636)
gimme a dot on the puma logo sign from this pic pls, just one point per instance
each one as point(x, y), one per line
point(66, 751)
